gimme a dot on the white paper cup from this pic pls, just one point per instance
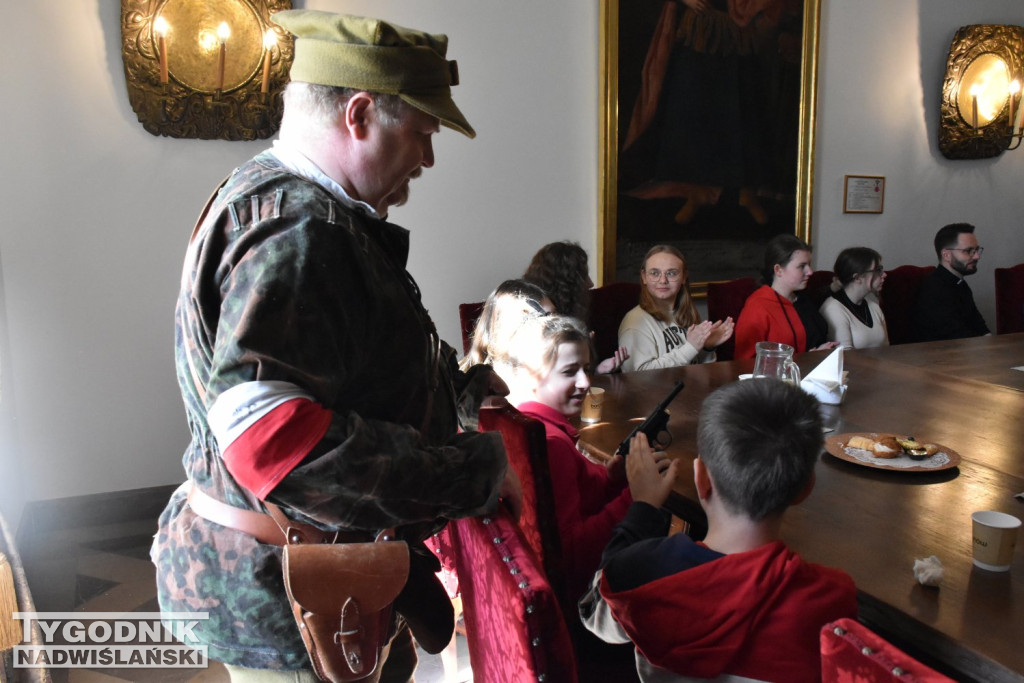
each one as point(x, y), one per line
point(592, 405)
point(994, 537)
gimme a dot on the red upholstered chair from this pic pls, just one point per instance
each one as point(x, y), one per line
point(514, 626)
point(819, 286)
point(468, 315)
point(852, 653)
point(526, 446)
point(1010, 299)
point(726, 299)
point(897, 301)
point(608, 306)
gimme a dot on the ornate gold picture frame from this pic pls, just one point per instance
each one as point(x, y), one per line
point(208, 69)
point(654, 76)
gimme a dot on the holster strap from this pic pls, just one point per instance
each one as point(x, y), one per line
point(262, 526)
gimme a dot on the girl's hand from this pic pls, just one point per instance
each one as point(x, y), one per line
point(616, 467)
point(697, 6)
point(826, 346)
point(613, 364)
point(721, 331)
point(697, 334)
point(651, 475)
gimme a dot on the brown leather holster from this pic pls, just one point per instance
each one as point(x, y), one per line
point(342, 597)
point(342, 586)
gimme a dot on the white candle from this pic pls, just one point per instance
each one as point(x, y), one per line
point(269, 41)
point(160, 27)
point(1014, 122)
point(974, 107)
point(223, 33)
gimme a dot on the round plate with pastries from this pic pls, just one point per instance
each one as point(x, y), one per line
point(884, 451)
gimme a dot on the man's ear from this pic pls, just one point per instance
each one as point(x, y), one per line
point(802, 496)
point(357, 115)
point(702, 479)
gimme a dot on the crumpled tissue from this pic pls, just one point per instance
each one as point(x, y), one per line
point(929, 571)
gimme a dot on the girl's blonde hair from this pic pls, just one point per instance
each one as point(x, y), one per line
point(684, 311)
point(506, 306)
point(533, 346)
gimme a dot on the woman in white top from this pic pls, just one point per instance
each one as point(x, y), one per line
point(854, 317)
point(665, 330)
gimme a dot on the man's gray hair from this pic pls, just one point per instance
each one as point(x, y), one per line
point(325, 102)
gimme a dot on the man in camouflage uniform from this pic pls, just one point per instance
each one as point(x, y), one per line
point(312, 375)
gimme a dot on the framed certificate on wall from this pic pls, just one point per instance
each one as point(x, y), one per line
point(863, 193)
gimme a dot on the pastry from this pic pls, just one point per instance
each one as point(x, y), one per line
point(862, 442)
point(887, 447)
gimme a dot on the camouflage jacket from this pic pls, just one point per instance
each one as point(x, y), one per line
point(282, 282)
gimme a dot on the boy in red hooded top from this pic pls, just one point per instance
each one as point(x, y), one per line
point(739, 603)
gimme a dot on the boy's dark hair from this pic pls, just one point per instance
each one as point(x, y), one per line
point(759, 440)
point(949, 235)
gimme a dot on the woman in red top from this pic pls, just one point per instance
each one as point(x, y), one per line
point(776, 312)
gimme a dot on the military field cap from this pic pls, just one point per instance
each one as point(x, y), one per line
point(368, 54)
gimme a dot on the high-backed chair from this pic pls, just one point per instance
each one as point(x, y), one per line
point(515, 629)
point(526, 447)
point(726, 299)
point(819, 286)
point(608, 306)
point(851, 652)
point(897, 301)
point(1010, 299)
point(468, 315)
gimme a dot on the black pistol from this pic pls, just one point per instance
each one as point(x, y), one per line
point(654, 425)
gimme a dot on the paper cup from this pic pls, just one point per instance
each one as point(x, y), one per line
point(994, 536)
point(592, 405)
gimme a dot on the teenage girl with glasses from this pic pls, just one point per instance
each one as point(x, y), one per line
point(854, 317)
point(665, 330)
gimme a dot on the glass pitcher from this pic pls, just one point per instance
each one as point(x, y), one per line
point(776, 360)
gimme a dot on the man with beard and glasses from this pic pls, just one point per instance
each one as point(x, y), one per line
point(318, 394)
point(945, 307)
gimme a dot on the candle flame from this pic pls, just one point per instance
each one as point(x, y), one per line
point(160, 26)
point(1014, 87)
point(270, 40)
point(223, 31)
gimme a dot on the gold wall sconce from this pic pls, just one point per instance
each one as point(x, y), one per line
point(981, 92)
point(208, 69)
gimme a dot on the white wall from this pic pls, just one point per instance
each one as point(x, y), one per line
point(881, 71)
point(97, 211)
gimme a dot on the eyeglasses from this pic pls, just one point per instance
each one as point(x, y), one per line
point(874, 271)
point(672, 274)
point(970, 251)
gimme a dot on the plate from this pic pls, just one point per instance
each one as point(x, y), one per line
point(945, 459)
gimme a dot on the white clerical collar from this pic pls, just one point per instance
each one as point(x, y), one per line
point(299, 164)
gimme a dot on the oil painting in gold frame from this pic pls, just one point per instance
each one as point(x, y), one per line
point(707, 131)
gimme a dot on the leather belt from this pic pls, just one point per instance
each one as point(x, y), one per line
point(272, 528)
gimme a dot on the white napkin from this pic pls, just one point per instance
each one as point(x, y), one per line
point(825, 382)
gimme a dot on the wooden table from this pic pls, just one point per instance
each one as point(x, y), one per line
point(873, 523)
point(988, 359)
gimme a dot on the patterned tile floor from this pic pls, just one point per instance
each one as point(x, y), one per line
point(104, 567)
